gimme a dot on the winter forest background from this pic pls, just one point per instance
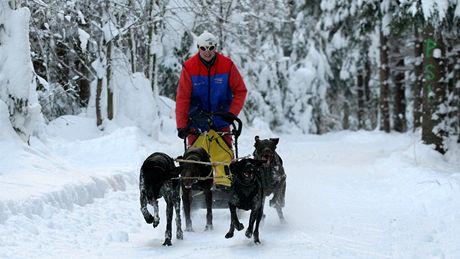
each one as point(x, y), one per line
point(310, 66)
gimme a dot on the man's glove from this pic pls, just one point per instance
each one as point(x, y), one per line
point(228, 117)
point(182, 133)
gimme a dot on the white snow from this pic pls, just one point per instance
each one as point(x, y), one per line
point(434, 7)
point(437, 53)
point(83, 36)
point(349, 195)
point(72, 191)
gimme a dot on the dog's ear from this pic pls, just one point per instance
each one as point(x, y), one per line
point(274, 141)
point(257, 139)
point(234, 167)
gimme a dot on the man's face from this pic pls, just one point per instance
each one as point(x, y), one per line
point(207, 52)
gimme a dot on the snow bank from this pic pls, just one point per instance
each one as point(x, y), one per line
point(75, 165)
point(44, 197)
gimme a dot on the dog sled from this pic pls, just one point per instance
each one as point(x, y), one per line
point(220, 152)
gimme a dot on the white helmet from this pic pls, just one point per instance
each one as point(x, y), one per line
point(206, 39)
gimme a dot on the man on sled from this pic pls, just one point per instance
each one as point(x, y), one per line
point(210, 94)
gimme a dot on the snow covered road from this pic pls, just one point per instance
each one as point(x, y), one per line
point(349, 195)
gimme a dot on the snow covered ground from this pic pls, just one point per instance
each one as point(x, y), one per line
point(349, 195)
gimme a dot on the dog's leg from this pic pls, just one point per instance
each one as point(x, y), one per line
point(208, 197)
point(250, 228)
point(186, 200)
point(256, 230)
point(235, 221)
point(280, 201)
point(231, 231)
point(179, 233)
point(156, 213)
point(282, 193)
point(279, 210)
point(169, 215)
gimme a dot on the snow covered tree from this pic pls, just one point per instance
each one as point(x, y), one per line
point(17, 79)
point(310, 66)
point(418, 81)
point(436, 104)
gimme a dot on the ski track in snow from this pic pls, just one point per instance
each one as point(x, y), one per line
point(347, 197)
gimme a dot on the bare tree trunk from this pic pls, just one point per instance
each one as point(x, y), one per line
point(400, 123)
point(98, 101)
point(132, 43)
point(154, 39)
point(361, 101)
point(109, 81)
point(151, 35)
point(418, 80)
point(457, 88)
point(152, 68)
point(450, 83)
point(132, 50)
point(433, 91)
point(346, 116)
point(372, 113)
point(456, 85)
point(384, 85)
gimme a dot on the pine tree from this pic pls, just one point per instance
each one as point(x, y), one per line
point(433, 90)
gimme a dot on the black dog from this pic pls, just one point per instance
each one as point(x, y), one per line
point(155, 182)
point(190, 173)
point(247, 194)
point(273, 175)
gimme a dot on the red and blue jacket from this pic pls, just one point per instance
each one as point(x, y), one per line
point(219, 88)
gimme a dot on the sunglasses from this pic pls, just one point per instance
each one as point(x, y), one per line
point(210, 48)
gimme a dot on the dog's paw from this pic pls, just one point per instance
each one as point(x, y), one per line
point(180, 235)
point(257, 241)
point(208, 228)
point(229, 235)
point(167, 242)
point(248, 234)
point(189, 229)
point(148, 218)
point(239, 226)
point(156, 223)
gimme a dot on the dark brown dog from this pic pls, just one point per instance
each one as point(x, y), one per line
point(156, 181)
point(247, 194)
point(273, 175)
point(189, 171)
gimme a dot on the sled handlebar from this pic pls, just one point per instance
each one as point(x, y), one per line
point(237, 124)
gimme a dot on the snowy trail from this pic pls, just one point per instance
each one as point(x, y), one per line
point(348, 196)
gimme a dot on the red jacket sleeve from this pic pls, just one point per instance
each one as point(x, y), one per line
point(238, 89)
point(183, 97)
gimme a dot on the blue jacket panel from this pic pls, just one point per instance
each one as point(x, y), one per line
point(210, 94)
